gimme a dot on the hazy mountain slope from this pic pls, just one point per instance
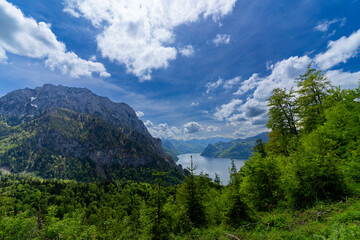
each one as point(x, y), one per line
point(189, 146)
point(238, 149)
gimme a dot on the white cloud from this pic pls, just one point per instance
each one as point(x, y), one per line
point(139, 33)
point(231, 82)
point(187, 51)
point(24, 36)
point(70, 63)
point(212, 129)
point(148, 124)
point(210, 86)
point(194, 104)
point(162, 130)
point(339, 51)
point(139, 114)
point(227, 109)
point(72, 12)
point(343, 79)
point(248, 84)
point(249, 130)
point(253, 108)
point(192, 127)
point(221, 39)
point(92, 58)
point(105, 75)
point(250, 117)
point(283, 75)
point(343, 21)
point(323, 26)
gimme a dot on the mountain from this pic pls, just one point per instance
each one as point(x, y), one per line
point(238, 149)
point(176, 147)
point(24, 103)
point(71, 133)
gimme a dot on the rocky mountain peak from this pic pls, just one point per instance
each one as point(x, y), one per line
point(28, 102)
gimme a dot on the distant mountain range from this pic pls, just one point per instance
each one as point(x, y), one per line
point(237, 149)
point(176, 147)
point(71, 133)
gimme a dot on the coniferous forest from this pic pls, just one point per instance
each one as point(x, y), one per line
point(304, 183)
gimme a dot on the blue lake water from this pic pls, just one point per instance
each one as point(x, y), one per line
point(210, 165)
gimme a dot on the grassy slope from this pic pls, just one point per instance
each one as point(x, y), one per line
point(339, 220)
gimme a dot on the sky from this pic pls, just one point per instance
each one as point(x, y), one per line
point(189, 68)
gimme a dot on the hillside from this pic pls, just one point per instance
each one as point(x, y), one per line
point(303, 183)
point(55, 142)
point(238, 149)
point(177, 147)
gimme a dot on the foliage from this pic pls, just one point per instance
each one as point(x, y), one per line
point(314, 88)
point(302, 184)
point(67, 145)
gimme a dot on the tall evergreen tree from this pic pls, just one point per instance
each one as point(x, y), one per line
point(159, 229)
point(194, 206)
point(237, 211)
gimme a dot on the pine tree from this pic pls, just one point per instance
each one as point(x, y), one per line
point(194, 206)
point(159, 230)
point(237, 209)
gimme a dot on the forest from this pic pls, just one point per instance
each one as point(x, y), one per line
point(304, 183)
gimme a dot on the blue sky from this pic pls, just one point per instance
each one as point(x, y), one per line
point(191, 69)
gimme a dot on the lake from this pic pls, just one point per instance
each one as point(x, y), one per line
point(210, 165)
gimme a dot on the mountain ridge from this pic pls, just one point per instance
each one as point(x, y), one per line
point(176, 147)
point(26, 102)
point(238, 148)
point(42, 130)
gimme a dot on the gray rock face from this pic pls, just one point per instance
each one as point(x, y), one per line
point(27, 102)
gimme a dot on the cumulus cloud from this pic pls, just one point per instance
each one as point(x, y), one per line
point(250, 117)
point(283, 75)
point(221, 39)
point(232, 82)
point(212, 129)
point(148, 124)
point(343, 79)
point(248, 84)
point(227, 109)
point(139, 114)
point(24, 36)
point(139, 33)
point(163, 130)
point(187, 51)
point(253, 108)
point(192, 127)
point(339, 51)
point(210, 86)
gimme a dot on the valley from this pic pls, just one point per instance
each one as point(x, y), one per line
point(179, 120)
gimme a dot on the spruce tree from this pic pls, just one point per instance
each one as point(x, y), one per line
point(194, 207)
